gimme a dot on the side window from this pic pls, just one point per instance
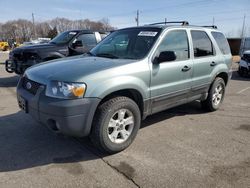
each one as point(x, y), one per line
point(103, 35)
point(88, 40)
point(202, 44)
point(221, 42)
point(116, 46)
point(176, 41)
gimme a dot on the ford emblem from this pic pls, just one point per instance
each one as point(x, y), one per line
point(28, 85)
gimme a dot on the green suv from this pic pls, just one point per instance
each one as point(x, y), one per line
point(133, 73)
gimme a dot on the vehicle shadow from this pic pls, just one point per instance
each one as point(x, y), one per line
point(26, 144)
point(236, 76)
point(9, 81)
point(186, 109)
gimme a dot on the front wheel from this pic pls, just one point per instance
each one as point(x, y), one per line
point(115, 124)
point(215, 95)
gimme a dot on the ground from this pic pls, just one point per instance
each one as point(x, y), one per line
point(181, 147)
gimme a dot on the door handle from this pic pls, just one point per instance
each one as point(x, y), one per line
point(213, 64)
point(185, 68)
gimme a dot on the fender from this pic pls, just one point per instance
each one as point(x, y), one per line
point(120, 83)
point(220, 68)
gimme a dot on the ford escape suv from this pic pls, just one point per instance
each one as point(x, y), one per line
point(133, 73)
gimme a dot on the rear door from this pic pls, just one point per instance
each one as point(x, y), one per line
point(170, 81)
point(205, 60)
point(223, 46)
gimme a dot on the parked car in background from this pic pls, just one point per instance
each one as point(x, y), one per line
point(68, 43)
point(244, 64)
point(133, 73)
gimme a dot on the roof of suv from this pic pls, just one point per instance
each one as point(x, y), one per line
point(181, 24)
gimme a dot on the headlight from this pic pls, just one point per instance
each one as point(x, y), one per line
point(65, 90)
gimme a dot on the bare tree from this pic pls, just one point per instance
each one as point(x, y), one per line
point(23, 30)
point(42, 29)
point(62, 24)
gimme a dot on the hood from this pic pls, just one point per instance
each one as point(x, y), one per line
point(34, 47)
point(72, 69)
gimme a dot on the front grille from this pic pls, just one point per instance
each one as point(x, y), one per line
point(30, 85)
point(18, 57)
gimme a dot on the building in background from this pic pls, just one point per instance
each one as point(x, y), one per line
point(238, 46)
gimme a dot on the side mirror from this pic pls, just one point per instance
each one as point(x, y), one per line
point(77, 44)
point(165, 56)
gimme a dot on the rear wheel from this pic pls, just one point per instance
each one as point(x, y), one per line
point(215, 95)
point(116, 124)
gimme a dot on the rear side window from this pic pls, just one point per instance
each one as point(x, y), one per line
point(221, 42)
point(202, 44)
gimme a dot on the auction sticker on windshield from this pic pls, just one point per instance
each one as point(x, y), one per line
point(148, 33)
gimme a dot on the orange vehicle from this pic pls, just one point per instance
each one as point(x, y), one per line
point(4, 46)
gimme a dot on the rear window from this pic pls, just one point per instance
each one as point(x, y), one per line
point(221, 42)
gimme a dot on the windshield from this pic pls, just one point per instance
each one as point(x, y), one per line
point(132, 43)
point(64, 37)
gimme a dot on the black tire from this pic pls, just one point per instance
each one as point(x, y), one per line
point(209, 104)
point(99, 133)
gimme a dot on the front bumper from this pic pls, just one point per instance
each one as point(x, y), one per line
point(18, 66)
point(70, 117)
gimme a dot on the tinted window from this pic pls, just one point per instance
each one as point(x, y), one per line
point(221, 42)
point(202, 44)
point(64, 37)
point(88, 40)
point(177, 42)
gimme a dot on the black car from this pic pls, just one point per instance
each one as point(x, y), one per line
point(66, 44)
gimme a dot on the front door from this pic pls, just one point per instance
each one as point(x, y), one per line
point(171, 80)
point(83, 43)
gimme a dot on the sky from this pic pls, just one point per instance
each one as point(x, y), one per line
point(226, 14)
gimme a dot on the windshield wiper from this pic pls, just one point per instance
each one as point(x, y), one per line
point(107, 55)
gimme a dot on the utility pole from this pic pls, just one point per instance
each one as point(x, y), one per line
point(33, 21)
point(243, 36)
point(213, 21)
point(137, 18)
point(165, 21)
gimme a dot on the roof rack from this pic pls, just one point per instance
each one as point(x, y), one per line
point(212, 26)
point(165, 23)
